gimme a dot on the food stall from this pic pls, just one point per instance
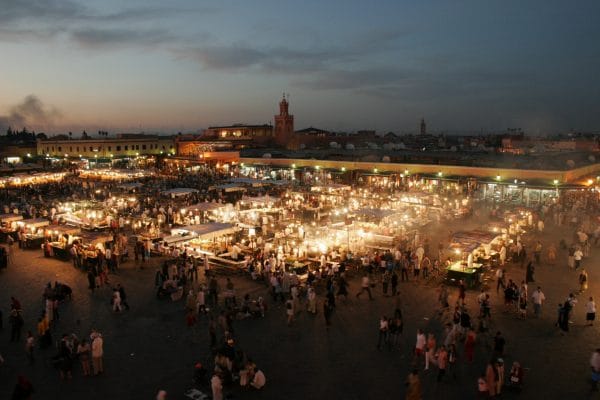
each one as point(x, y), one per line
point(206, 212)
point(9, 226)
point(61, 238)
point(469, 253)
point(462, 271)
point(34, 231)
point(86, 215)
point(213, 237)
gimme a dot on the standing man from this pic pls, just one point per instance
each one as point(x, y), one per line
point(538, 299)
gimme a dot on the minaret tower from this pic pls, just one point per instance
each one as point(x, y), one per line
point(284, 123)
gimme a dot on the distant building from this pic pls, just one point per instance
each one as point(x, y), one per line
point(423, 127)
point(240, 135)
point(124, 145)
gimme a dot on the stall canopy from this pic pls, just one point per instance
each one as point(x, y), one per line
point(179, 192)
point(204, 231)
point(63, 230)
point(35, 222)
point(229, 187)
point(467, 241)
point(206, 206)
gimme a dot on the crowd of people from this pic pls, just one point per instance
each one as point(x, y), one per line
point(212, 300)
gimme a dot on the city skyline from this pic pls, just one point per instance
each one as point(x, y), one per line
point(75, 65)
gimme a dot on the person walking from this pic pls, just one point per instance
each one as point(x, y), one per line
point(312, 300)
point(470, 346)
point(430, 350)
point(413, 383)
point(394, 283)
point(538, 298)
point(365, 286)
point(595, 367)
point(385, 282)
point(289, 310)
point(123, 295)
point(97, 352)
point(500, 279)
point(452, 358)
point(16, 324)
point(216, 385)
point(420, 345)
point(83, 353)
point(529, 273)
point(499, 343)
point(491, 378)
point(442, 362)
point(29, 346)
point(116, 300)
point(590, 311)
point(578, 256)
point(384, 327)
point(583, 281)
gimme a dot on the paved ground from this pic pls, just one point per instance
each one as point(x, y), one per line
point(150, 348)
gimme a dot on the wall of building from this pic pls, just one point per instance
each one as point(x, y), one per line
point(106, 147)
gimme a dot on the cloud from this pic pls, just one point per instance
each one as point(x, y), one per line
point(223, 57)
point(56, 10)
point(353, 79)
point(31, 112)
point(102, 38)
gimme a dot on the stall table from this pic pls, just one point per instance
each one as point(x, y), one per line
point(61, 252)
point(459, 271)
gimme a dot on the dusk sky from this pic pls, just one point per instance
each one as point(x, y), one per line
point(182, 65)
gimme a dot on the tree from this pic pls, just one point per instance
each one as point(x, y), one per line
point(70, 135)
point(9, 132)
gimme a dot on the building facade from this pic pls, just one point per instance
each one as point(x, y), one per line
point(124, 145)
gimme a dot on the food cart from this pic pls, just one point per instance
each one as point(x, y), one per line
point(462, 271)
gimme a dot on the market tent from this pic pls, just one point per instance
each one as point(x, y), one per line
point(204, 231)
point(229, 187)
point(205, 206)
point(467, 241)
point(475, 236)
point(179, 192)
